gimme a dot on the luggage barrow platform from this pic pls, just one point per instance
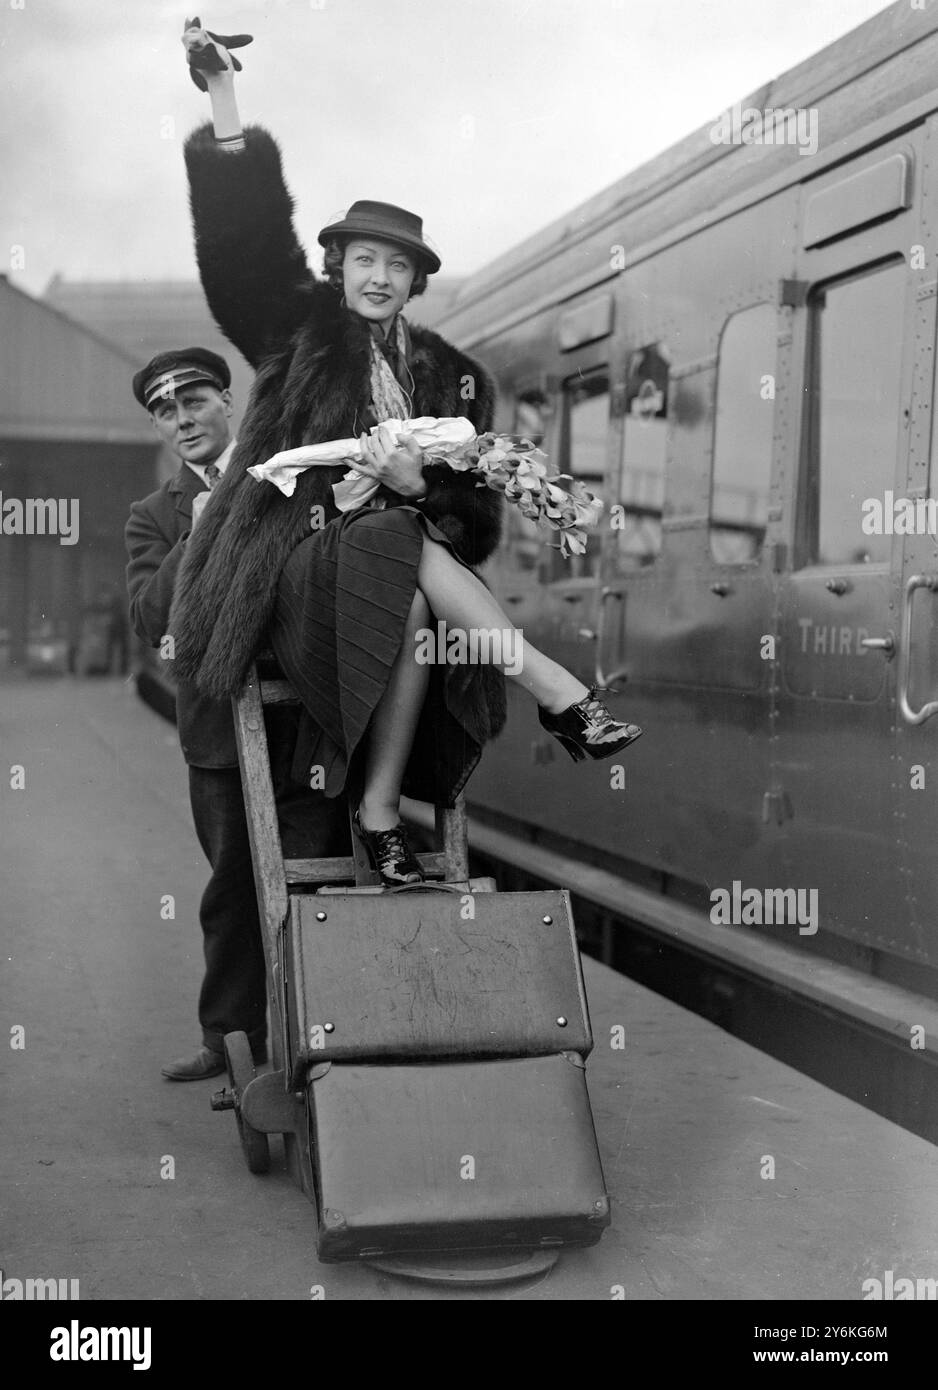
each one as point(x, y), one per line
point(428, 1050)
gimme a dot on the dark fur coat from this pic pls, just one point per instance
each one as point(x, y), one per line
point(312, 358)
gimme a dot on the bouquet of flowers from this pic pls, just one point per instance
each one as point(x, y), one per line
point(518, 468)
point(507, 463)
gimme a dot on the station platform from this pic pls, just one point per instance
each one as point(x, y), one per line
point(105, 988)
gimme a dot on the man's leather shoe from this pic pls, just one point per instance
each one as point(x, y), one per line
point(204, 1064)
point(207, 1063)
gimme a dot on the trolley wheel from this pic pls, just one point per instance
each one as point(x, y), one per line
point(241, 1073)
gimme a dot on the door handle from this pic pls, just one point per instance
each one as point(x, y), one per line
point(886, 645)
point(911, 716)
point(622, 674)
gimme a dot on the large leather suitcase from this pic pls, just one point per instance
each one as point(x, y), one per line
point(393, 976)
point(489, 1155)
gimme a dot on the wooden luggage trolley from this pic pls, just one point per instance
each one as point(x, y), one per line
point(428, 1050)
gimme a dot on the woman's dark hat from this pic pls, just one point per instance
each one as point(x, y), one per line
point(388, 222)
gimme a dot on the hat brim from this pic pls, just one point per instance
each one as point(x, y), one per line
point(363, 228)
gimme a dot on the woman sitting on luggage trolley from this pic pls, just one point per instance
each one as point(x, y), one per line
point(341, 597)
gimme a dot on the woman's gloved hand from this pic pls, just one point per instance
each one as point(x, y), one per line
point(208, 52)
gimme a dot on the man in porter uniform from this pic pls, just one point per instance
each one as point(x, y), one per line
point(187, 395)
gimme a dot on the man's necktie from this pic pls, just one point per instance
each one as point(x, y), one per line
point(212, 474)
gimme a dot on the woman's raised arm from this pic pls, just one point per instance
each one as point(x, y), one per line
point(253, 269)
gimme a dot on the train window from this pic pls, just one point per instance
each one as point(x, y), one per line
point(583, 455)
point(743, 432)
point(531, 411)
point(587, 425)
point(855, 402)
point(524, 539)
point(644, 451)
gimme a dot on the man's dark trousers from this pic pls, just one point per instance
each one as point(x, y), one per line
point(234, 993)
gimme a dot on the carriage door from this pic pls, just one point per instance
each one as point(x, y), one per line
point(916, 660)
point(855, 306)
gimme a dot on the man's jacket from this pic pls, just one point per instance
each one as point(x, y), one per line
point(156, 537)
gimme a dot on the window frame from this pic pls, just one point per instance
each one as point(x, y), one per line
point(566, 413)
point(756, 561)
point(629, 564)
point(808, 500)
point(573, 568)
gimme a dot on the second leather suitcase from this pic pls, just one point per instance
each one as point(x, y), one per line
point(488, 1155)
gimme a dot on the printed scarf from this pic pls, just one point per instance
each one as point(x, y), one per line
point(388, 398)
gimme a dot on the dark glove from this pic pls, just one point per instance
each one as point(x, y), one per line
point(208, 58)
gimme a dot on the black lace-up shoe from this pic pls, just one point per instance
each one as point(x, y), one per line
point(588, 729)
point(390, 854)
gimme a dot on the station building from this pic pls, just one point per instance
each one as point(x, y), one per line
point(75, 451)
point(145, 317)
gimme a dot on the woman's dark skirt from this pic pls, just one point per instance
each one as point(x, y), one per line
point(343, 600)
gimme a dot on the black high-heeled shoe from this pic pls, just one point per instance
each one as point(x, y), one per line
point(587, 729)
point(390, 854)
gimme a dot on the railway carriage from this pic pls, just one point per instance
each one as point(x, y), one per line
point(735, 347)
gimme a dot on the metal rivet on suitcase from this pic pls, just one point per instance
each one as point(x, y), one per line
point(547, 921)
point(561, 1022)
point(328, 1027)
point(320, 916)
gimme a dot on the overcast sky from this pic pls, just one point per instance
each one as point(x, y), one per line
point(487, 117)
